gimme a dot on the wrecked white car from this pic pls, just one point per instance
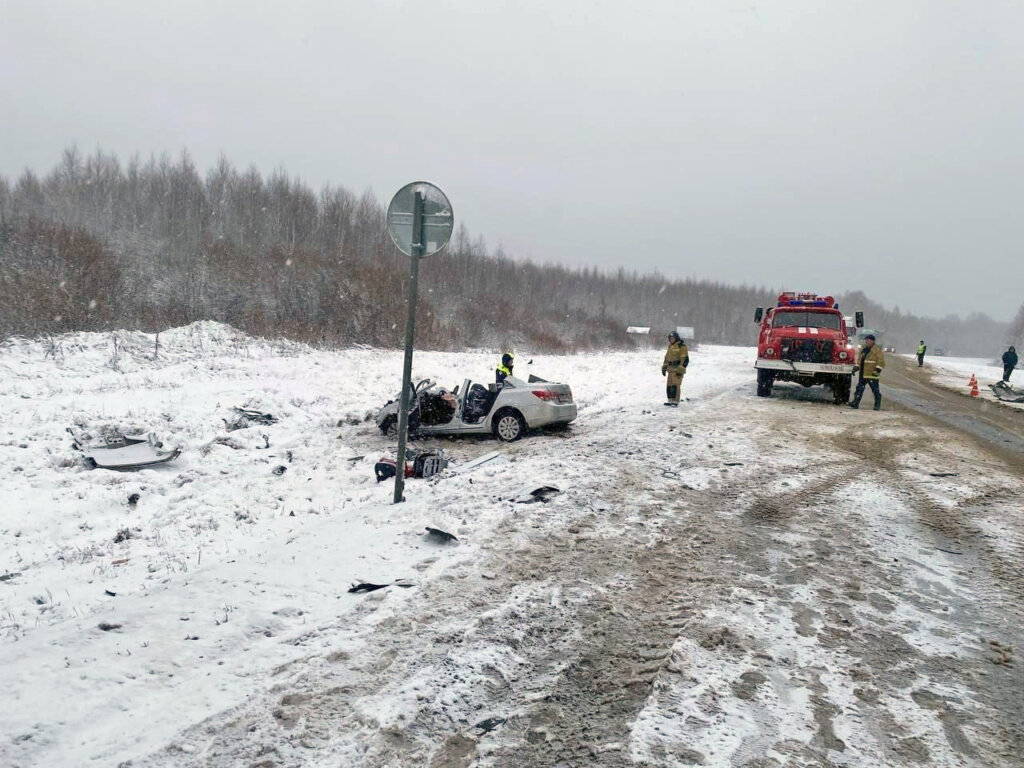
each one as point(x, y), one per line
point(506, 411)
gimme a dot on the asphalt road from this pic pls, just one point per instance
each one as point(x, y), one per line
point(997, 426)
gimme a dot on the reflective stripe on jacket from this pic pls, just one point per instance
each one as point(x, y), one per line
point(501, 373)
point(677, 357)
point(921, 349)
point(872, 361)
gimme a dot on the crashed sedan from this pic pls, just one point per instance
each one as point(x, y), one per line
point(506, 411)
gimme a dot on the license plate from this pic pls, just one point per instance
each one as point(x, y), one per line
point(835, 368)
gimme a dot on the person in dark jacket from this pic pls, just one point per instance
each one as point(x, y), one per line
point(504, 370)
point(1009, 363)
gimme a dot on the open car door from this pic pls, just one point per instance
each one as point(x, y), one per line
point(477, 403)
point(458, 422)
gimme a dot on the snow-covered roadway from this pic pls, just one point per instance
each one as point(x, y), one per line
point(954, 374)
point(741, 582)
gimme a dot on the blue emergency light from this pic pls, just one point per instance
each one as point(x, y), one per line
point(790, 300)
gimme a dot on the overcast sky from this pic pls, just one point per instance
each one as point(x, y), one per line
point(825, 145)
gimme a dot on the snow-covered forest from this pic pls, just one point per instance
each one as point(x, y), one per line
point(100, 244)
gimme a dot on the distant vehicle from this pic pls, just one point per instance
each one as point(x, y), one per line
point(475, 409)
point(804, 338)
point(939, 352)
point(859, 334)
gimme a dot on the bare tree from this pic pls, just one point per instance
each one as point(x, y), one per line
point(155, 244)
point(1017, 327)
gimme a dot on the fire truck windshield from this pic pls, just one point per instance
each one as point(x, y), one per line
point(802, 319)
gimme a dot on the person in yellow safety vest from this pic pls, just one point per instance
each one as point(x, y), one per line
point(504, 370)
point(871, 363)
point(921, 349)
point(677, 357)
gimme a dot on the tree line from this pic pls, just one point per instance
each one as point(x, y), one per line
point(100, 244)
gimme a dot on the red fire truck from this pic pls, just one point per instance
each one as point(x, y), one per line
point(804, 339)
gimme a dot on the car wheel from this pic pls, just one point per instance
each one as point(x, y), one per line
point(390, 427)
point(509, 425)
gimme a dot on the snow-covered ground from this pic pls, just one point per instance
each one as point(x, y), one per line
point(738, 580)
point(954, 373)
point(226, 571)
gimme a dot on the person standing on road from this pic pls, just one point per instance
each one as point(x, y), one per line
point(921, 349)
point(674, 366)
point(871, 363)
point(504, 370)
point(1009, 363)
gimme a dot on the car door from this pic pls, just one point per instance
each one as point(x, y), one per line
point(480, 424)
point(458, 423)
point(464, 392)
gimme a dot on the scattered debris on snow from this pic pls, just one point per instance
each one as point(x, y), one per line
point(487, 458)
point(369, 587)
point(488, 725)
point(442, 536)
point(542, 494)
point(1007, 393)
point(129, 454)
point(246, 417)
point(419, 463)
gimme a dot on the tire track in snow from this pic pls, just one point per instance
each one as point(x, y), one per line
point(320, 702)
point(591, 612)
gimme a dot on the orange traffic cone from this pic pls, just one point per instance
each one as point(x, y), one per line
point(974, 388)
point(973, 382)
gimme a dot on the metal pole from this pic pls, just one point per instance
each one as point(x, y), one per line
point(410, 330)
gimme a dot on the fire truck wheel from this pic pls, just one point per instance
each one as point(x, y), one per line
point(765, 379)
point(841, 390)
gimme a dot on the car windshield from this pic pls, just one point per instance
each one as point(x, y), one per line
point(803, 319)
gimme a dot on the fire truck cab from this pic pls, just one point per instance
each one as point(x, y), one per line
point(804, 339)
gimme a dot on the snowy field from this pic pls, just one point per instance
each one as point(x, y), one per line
point(225, 571)
point(954, 373)
point(740, 580)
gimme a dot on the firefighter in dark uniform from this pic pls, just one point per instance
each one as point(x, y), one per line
point(871, 363)
point(921, 349)
point(504, 370)
point(674, 366)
